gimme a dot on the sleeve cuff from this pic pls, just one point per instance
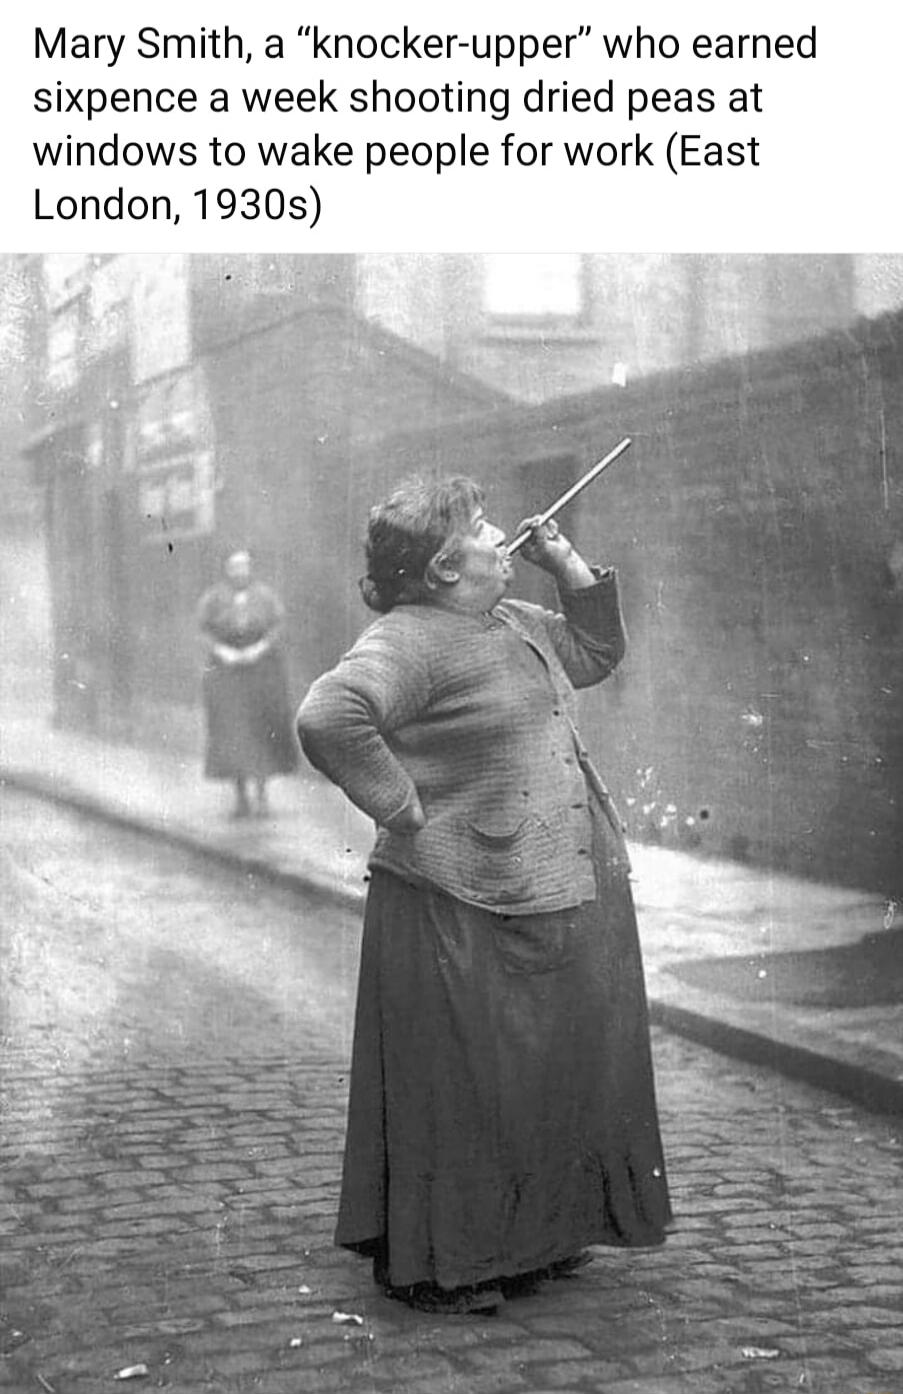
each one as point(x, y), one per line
point(605, 578)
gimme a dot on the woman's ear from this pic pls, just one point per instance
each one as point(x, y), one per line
point(441, 570)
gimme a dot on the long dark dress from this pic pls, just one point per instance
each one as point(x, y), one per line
point(250, 727)
point(502, 1111)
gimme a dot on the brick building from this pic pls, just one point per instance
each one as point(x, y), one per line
point(191, 406)
point(541, 326)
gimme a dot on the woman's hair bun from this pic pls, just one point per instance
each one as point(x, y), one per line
point(374, 595)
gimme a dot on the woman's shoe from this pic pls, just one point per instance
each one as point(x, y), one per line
point(482, 1300)
point(527, 1284)
point(564, 1267)
point(523, 1284)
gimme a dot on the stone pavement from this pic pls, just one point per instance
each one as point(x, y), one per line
point(194, 1239)
point(689, 908)
point(169, 1163)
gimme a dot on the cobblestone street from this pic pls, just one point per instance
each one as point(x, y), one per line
point(175, 1039)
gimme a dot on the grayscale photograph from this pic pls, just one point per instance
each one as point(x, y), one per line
point(451, 911)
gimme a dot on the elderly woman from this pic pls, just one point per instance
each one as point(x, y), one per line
point(249, 717)
point(502, 1112)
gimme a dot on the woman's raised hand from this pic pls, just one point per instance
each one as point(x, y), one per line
point(549, 549)
point(547, 545)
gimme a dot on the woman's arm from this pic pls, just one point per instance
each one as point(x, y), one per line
point(589, 635)
point(223, 653)
point(346, 717)
point(273, 616)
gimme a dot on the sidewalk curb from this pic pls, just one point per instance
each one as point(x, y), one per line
point(866, 1087)
point(309, 882)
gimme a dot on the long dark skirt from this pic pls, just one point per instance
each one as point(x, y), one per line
point(502, 1111)
point(249, 721)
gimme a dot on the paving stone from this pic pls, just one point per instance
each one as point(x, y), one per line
point(225, 1160)
point(564, 1374)
point(654, 1384)
point(889, 1358)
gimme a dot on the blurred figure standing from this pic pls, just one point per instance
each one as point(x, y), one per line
point(250, 733)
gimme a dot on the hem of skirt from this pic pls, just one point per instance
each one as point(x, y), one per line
point(651, 1237)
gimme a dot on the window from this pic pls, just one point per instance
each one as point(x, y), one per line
point(520, 286)
point(62, 349)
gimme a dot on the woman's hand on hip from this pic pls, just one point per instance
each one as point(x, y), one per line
point(409, 819)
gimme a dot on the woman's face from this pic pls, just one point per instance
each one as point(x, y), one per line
point(483, 567)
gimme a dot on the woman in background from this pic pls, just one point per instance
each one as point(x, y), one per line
point(502, 1113)
point(249, 720)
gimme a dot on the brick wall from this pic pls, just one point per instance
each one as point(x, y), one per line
point(757, 525)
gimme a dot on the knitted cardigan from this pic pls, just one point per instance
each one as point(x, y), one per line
point(474, 713)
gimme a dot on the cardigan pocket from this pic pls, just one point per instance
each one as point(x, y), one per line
point(495, 862)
